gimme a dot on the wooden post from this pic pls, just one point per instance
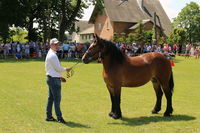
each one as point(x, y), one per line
point(155, 32)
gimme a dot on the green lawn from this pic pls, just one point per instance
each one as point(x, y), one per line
point(86, 103)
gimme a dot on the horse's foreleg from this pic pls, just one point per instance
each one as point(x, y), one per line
point(118, 113)
point(115, 95)
point(112, 106)
point(117, 100)
point(112, 98)
point(159, 95)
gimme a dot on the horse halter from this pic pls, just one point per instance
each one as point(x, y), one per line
point(100, 56)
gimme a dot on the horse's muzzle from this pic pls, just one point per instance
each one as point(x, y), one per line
point(85, 61)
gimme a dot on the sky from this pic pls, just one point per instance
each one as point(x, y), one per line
point(171, 7)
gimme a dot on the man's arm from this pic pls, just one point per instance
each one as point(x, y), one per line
point(56, 64)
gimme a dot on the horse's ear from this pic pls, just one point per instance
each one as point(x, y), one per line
point(95, 36)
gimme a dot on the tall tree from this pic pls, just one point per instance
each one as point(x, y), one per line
point(178, 36)
point(11, 12)
point(67, 18)
point(141, 36)
point(51, 15)
point(189, 19)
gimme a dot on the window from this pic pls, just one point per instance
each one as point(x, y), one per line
point(107, 26)
point(99, 26)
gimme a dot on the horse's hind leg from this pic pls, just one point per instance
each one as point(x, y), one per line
point(159, 94)
point(168, 95)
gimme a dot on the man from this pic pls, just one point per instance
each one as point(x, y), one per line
point(54, 78)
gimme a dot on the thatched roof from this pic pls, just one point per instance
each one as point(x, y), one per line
point(134, 11)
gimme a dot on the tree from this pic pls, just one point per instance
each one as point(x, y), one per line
point(178, 36)
point(17, 34)
point(130, 38)
point(141, 36)
point(115, 37)
point(51, 16)
point(189, 19)
point(122, 38)
point(11, 12)
point(68, 16)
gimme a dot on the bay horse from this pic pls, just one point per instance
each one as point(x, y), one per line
point(120, 70)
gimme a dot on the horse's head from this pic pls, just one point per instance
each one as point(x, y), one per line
point(94, 51)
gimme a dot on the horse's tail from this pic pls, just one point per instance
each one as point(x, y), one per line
point(171, 83)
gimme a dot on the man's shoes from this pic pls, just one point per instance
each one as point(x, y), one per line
point(61, 120)
point(50, 119)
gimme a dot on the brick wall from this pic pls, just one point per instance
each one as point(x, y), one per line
point(120, 27)
point(103, 27)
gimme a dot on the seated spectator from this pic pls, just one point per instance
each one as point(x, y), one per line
point(18, 55)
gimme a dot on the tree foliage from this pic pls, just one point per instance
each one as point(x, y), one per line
point(142, 36)
point(189, 19)
point(51, 16)
point(178, 36)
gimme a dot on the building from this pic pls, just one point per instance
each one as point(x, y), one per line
point(85, 32)
point(123, 15)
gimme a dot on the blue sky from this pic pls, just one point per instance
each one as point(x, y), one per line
point(171, 7)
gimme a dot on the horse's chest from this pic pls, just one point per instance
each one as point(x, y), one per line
point(112, 78)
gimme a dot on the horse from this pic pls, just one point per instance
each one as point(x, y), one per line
point(120, 71)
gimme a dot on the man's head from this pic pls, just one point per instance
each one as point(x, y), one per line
point(54, 43)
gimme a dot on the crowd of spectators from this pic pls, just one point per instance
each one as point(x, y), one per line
point(73, 50)
point(40, 49)
point(166, 49)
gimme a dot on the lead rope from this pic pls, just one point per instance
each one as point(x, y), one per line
point(71, 73)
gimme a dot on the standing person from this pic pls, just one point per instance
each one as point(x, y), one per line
point(175, 47)
point(187, 51)
point(166, 49)
point(54, 78)
point(27, 50)
point(65, 50)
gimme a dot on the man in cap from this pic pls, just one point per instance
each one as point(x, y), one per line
point(54, 78)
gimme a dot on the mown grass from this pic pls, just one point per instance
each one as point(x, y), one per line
point(86, 103)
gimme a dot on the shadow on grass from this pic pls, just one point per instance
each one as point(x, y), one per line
point(76, 125)
point(152, 119)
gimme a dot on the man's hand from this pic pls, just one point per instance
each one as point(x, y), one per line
point(68, 69)
point(62, 79)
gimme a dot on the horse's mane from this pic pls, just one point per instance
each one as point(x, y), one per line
point(116, 55)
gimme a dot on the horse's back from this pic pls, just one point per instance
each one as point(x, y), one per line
point(145, 67)
point(160, 66)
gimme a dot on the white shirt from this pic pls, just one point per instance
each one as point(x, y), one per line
point(52, 64)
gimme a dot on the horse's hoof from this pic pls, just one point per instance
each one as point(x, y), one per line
point(154, 111)
point(167, 114)
point(111, 114)
point(114, 116)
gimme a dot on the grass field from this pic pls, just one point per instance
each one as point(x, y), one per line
point(86, 103)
